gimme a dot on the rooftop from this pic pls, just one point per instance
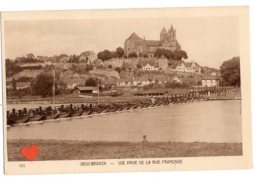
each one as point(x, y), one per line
point(134, 36)
point(84, 88)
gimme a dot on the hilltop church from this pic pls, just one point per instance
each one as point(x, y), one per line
point(141, 46)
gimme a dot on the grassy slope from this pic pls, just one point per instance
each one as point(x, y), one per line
point(79, 150)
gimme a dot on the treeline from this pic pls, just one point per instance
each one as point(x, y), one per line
point(119, 53)
point(42, 85)
point(106, 54)
point(171, 55)
point(12, 68)
point(29, 58)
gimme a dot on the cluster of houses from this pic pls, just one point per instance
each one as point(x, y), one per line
point(143, 81)
point(179, 67)
point(143, 64)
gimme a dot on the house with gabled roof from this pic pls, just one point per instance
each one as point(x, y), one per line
point(186, 67)
point(85, 90)
point(210, 81)
point(150, 67)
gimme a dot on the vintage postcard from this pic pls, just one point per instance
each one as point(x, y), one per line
point(126, 90)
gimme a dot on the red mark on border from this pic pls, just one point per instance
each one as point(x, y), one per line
point(30, 152)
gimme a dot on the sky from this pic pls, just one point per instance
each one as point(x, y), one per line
point(207, 40)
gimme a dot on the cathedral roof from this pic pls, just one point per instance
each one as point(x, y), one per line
point(139, 42)
point(171, 29)
point(152, 42)
point(134, 36)
point(163, 31)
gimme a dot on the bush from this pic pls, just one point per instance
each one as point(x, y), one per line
point(43, 84)
point(176, 85)
point(145, 56)
point(92, 81)
point(118, 69)
point(152, 86)
point(139, 66)
point(132, 55)
point(89, 67)
point(12, 68)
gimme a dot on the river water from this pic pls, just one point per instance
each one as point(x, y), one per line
point(209, 121)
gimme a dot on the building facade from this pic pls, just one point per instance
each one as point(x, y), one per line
point(135, 44)
point(149, 67)
point(187, 67)
point(210, 81)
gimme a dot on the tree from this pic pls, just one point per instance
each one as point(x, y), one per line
point(145, 55)
point(59, 57)
point(113, 54)
point(230, 71)
point(89, 67)
point(60, 84)
point(163, 52)
point(118, 69)
point(171, 55)
point(139, 66)
point(11, 67)
point(127, 66)
point(74, 59)
point(30, 56)
point(43, 84)
point(92, 82)
point(105, 55)
point(120, 52)
point(75, 68)
point(179, 55)
point(132, 55)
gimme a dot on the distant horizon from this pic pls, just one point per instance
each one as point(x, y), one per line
point(209, 41)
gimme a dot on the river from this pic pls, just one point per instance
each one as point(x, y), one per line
point(208, 121)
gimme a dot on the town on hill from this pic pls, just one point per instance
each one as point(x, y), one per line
point(141, 65)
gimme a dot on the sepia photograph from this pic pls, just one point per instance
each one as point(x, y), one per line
point(88, 87)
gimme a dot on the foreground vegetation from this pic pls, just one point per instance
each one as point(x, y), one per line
point(80, 150)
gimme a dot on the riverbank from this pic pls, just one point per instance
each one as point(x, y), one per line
point(35, 101)
point(83, 150)
point(74, 98)
point(235, 95)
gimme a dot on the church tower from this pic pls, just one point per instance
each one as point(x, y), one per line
point(163, 34)
point(172, 34)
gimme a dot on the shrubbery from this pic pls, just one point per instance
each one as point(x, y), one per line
point(174, 84)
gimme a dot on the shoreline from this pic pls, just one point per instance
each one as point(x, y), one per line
point(86, 150)
point(100, 114)
point(107, 99)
